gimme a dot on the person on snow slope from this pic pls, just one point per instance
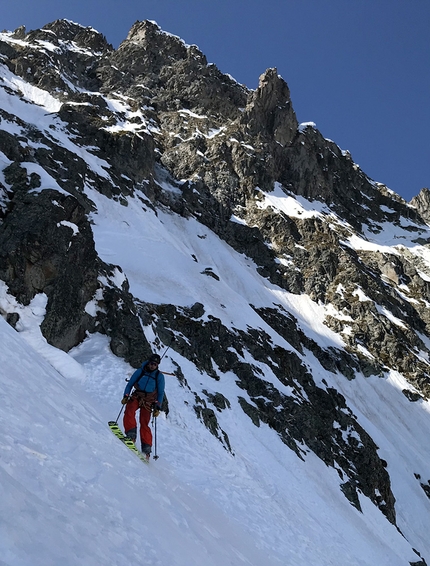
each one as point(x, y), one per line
point(148, 383)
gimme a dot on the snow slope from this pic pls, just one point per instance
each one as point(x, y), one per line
point(73, 494)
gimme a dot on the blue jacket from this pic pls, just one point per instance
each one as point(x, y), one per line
point(148, 381)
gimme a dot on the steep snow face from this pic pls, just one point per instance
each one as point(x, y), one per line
point(170, 273)
point(77, 495)
point(165, 257)
point(29, 94)
point(262, 506)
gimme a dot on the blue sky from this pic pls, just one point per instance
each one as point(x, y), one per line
point(358, 68)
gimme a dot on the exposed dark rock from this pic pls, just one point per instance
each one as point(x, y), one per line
point(422, 204)
point(269, 112)
point(311, 416)
point(118, 317)
point(411, 395)
point(421, 562)
point(12, 319)
point(208, 417)
point(19, 33)
point(218, 400)
point(208, 271)
point(42, 241)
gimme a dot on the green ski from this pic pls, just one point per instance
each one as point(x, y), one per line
point(129, 443)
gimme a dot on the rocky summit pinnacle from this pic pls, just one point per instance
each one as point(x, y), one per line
point(269, 111)
point(86, 128)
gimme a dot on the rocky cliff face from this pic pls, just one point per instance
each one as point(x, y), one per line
point(154, 113)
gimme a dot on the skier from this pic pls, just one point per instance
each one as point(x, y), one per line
point(147, 396)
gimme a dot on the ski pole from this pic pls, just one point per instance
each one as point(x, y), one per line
point(155, 439)
point(119, 414)
point(172, 339)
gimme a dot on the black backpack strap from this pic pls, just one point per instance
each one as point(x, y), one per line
point(140, 377)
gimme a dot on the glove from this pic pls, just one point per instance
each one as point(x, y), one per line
point(125, 399)
point(155, 409)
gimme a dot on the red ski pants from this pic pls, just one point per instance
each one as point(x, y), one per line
point(144, 418)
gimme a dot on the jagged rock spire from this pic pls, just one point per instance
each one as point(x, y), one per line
point(269, 110)
point(422, 203)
